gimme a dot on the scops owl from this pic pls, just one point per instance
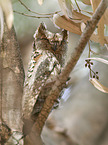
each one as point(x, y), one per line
point(47, 59)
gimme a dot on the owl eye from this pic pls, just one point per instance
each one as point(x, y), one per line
point(54, 47)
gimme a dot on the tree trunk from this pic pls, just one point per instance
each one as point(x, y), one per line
point(11, 87)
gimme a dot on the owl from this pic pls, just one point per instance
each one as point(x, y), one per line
point(47, 60)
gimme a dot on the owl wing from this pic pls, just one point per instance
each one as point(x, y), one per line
point(42, 68)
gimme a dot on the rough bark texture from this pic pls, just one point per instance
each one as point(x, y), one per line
point(11, 85)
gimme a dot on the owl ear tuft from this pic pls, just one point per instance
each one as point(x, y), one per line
point(65, 34)
point(41, 31)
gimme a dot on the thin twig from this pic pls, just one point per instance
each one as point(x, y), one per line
point(36, 12)
point(62, 78)
point(89, 57)
point(31, 15)
point(77, 6)
point(89, 49)
point(90, 13)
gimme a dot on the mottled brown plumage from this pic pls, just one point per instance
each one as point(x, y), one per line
point(46, 62)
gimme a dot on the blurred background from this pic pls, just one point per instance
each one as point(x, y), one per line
point(82, 117)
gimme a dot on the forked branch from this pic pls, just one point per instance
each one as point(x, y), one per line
point(62, 78)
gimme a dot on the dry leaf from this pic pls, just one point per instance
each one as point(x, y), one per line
point(106, 17)
point(95, 5)
point(82, 26)
point(62, 6)
point(100, 28)
point(98, 59)
point(71, 26)
point(87, 2)
point(94, 36)
point(78, 17)
point(67, 24)
point(98, 85)
point(94, 81)
point(7, 9)
point(106, 38)
point(66, 7)
point(40, 2)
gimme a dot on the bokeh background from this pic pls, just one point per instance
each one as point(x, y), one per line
point(82, 117)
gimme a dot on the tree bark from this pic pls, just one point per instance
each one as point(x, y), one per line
point(11, 86)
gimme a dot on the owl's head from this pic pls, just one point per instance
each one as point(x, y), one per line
point(56, 43)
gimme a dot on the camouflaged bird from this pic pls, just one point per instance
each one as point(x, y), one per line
point(47, 59)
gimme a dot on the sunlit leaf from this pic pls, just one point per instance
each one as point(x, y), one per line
point(7, 9)
point(40, 2)
point(98, 85)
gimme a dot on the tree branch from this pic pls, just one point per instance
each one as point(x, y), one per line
point(62, 78)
